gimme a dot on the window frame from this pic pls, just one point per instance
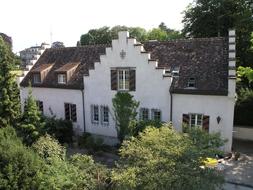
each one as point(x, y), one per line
point(70, 111)
point(198, 118)
point(37, 78)
point(63, 77)
point(191, 82)
point(40, 106)
point(125, 79)
point(142, 114)
point(93, 119)
point(154, 111)
point(102, 110)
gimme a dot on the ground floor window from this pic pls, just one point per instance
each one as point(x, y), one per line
point(156, 114)
point(40, 105)
point(196, 120)
point(144, 114)
point(95, 114)
point(104, 115)
point(199, 120)
point(70, 112)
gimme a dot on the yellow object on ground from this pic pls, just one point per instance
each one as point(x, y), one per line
point(211, 162)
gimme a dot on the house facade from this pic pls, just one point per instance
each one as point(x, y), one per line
point(188, 81)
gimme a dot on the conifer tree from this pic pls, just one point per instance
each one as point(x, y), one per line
point(9, 92)
point(32, 123)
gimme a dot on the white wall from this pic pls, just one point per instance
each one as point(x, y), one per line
point(55, 98)
point(152, 89)
point(243, 133)
point(212, 106)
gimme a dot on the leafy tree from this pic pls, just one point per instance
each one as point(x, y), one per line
point(245, 77)
point(124, 108)
point(19, 166)
point(161, 158)
point(171, 34)
point(204, 18)
point(31, 124)
point(57, 45)
point(157, 34)
point(9, 92)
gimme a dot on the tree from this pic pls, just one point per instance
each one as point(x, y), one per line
point(31, 124)
point(9, 92)
point(161, 158)
point(157, 34)
point(213, 18)
point(171, 34)
point(57, 45)
point(124, 108)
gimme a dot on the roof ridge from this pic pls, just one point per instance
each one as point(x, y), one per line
point(186, 40)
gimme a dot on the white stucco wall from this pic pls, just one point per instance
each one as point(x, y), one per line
point(212, 106)
point(152, 89)
point(55, 98)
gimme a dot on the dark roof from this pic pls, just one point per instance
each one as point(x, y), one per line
point(205, 60)
point(41, 67)
point(67, 67)
point(86, 55)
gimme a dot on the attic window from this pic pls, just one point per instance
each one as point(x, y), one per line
point(191, 83)
point(62, 79)
point(36, 78)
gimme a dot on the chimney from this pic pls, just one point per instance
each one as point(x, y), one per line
point(231, 62)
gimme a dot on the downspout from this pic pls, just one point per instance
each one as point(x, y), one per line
point(171, 100)
point(84, 128)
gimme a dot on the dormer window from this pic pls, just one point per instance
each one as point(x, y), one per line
point(36, 78)
point(191, 83)
point(62, 79)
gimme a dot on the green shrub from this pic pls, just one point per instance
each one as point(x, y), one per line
point(19, 165)
point(60, 129)
point(48, 148)
point(244, 108)
point(92, 143)
point(139, 126)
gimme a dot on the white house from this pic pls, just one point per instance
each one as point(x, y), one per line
point(188, 80)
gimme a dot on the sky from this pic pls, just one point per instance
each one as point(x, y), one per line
point(31, 22)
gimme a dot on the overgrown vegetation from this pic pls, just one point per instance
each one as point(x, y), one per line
point(124, 109)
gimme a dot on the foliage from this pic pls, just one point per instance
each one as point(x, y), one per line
point(104, 35)
point(31, 124)
point(19, 165)
point(57, 45)
point(9, 92)
point(124, 108)
point(212, 18)
point(139, 126)
point(48, 148)
point(244, 107)
point(60, 129)
point(245, 77)
point(98, 174)
point(161, 158)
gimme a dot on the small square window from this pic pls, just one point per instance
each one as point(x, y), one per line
point(191, 82)
point(156, 114)
point(62, 79)
point(36, 78)
point(144, 114)
point(196, 120)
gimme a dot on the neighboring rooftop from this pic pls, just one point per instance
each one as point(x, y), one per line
point(204, 59)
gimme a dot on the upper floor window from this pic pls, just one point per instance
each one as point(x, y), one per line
point(36, 78)
point(191, 83)
point(156, 114)
point(123, 79)
point(70, 112)
point(144, 114)
point(104, 115)
point(196, 120)
point(62, 79)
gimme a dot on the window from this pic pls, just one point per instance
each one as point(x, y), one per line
point(95, 114)
point(123, 79)
point(196, 120)
point(144, 114)
point(104, 115)
point(156, 114)
point(36, 78)
point(62, 79)
point(70, 112)
point(191, 83)
point(40, 105)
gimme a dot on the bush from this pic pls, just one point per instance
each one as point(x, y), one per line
point(139, 126)
point(48, 148)
point(244, 108)
point(60, 129)
point(162, 158)
point(19, 166)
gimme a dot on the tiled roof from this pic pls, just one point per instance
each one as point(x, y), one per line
point(204, 59)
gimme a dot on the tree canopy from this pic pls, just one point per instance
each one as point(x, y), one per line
point(211, 18)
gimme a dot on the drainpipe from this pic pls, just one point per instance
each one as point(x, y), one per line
point(171, 100)
point(84, 128)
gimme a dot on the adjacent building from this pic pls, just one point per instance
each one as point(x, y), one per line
point(188, 81)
